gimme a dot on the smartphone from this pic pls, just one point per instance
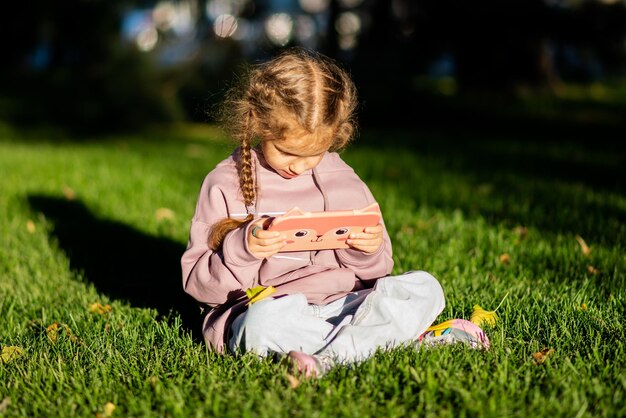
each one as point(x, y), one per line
point(326, 230)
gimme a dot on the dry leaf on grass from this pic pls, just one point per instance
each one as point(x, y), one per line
point(10, 353)
point(30, 226)
point(294, 382)
point(164, 213)
point(521, 231)
point(107, 410)
point(68, 193)
point(540, 357)
point(5, 404)
point(583, 245)
point(481, 316)
point(99, 308)
point(153, 380)
point(54, 330)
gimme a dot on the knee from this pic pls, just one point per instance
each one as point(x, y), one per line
point(266, 318)
point(426, 286)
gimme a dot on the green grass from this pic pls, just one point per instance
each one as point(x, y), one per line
point(73, 210)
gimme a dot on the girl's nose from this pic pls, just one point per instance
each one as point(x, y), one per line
point(298, 167)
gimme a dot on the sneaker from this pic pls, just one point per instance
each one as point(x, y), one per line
point(455, 331)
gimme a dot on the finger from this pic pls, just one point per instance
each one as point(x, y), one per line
point(368, 245)
point(263, 234)
point(366, 248)
point(378, 229)
point(266, 242)
point(273, 246)
point(264, 252)
point(364, 243)
point(365, 236)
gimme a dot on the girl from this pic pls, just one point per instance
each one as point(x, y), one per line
point(330, 306)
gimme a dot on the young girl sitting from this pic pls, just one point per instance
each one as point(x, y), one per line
point(330, 306)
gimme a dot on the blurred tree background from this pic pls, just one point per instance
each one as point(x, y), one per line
point(97, 65)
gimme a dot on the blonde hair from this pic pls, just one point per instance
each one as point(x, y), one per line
point(298, 94)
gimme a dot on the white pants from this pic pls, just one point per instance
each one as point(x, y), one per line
point(397, 310)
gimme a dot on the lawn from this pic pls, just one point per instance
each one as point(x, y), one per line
point(94, 321)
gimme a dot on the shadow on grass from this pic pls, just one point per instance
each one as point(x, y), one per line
point(121, 261)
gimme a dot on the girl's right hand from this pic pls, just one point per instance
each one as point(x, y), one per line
point(263, 243)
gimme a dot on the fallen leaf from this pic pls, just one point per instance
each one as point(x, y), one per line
point(505, 258)
point(109, 407)
point(153, 380)
point(258, 293)
point(294, 382)
point(480, 316)
point(53, 331)
point(10, 353)
point(69, 193)
point(583, 245)
point(164, 213)
point(540, 357)
point(107, 410)
point(591, 269)
point(30, 226)
point(521, 231)
point(99, 308)
point(5, 404)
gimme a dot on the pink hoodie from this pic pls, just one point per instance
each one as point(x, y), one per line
point(219, 279)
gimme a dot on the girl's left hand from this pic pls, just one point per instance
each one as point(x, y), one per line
point(368, 241)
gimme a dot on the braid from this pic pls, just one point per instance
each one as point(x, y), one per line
point(246, 169)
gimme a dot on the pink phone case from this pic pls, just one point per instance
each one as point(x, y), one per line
point(308, 231)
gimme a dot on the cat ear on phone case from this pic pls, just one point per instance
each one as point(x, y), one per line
point(306, 231)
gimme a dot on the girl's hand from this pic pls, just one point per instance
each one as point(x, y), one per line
point(368, 241)
point(262, 243)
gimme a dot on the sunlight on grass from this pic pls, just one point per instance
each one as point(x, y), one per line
point(87, 224)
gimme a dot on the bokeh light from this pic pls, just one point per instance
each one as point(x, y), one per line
point(304, 28)
point(164, 15)
point(348, 23)
point(215, 8)
point(279, 28)
point(225, 25)
point(314, 6)
point(147, 39)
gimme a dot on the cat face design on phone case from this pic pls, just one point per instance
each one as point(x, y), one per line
point(306, 231)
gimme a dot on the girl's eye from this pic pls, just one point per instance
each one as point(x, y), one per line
point(301, 234)
point(341, 231)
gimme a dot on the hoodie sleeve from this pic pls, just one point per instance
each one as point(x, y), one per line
point(369, 266)
point(215, 277)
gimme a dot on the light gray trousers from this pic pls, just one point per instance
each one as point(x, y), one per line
point(397, 310)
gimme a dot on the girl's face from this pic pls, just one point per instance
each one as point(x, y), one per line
point(291, 157)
